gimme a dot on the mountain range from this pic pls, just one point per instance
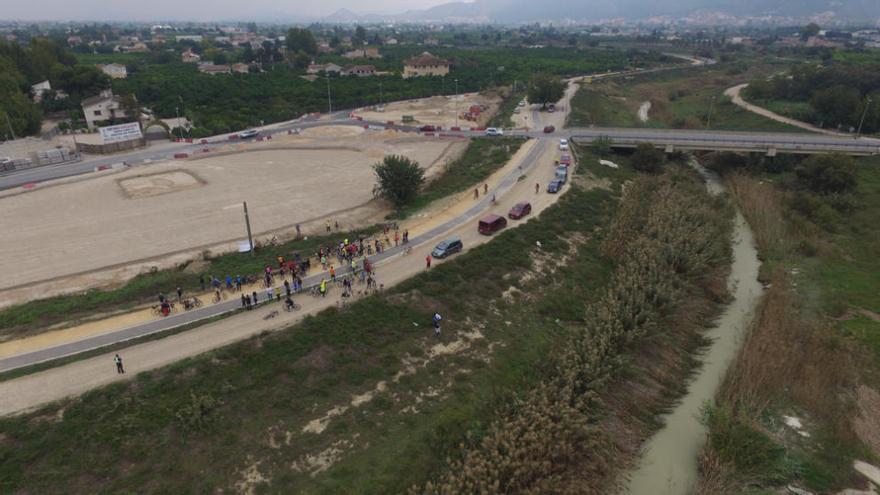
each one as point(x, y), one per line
point(513, 11)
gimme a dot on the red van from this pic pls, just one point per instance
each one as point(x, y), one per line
point(491, 223)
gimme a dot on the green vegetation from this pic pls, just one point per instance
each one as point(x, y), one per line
point(813, 349)
point(688, 98)
point(551, 438)
point(544, 89)
point(203, 422)
point(398, 180)
point(842, 95)
point(224, 103)
point(509, 102)
point(647, 158)
point(482, 157)
point(41, 60)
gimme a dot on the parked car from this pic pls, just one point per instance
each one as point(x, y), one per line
point(562, 173)
point(516, 110)
point(491, 223)
point(493, 131)
point(565, 160)
point(551, 108)
point(549, 129)
point(447, 247)
point(521, 103)
point(248, 133)
point(520, 210)
point(428, 128)
point(563, 144)
point(554, 186)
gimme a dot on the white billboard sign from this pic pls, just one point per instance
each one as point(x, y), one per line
point(121, 132)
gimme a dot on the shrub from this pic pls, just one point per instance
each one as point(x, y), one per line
point(827, 174)
point(647, 158)
point(602, 146)
point(398, 180)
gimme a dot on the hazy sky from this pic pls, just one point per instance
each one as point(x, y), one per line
point(196, 10)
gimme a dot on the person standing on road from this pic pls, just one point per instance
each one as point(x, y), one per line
point(332, 273)
point(179, 294)
point(278, 292)
point(485, 189)
point(427, 262)
point(243, 302)
point(119, 369)
point(328, 226)
point(537, 187)
point(323, 287)
point(476, 193)
point(254, 297)
point(269, 292)
point(202, 282)
point(287, 287)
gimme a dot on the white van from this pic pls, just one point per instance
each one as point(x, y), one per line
point(493, 131)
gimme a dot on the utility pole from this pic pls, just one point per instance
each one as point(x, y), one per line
point(247, 222)
point(456, 103)
point(711, 107)
point(380, 93)
point(179, 130)
point(861, 121)
point(8, 123)
point(329, 101)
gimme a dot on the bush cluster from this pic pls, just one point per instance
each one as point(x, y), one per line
point(667, 235)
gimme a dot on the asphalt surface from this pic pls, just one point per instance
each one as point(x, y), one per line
point(182, 318)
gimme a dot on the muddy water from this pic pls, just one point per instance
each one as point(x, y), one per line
point(669, 462)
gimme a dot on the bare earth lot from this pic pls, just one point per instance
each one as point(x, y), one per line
point(183, 206)
point(437, 110)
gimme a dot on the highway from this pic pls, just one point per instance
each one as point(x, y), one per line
point(667, 139)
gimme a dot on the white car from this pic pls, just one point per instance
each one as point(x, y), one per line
point(522, 103)
point(248, 133)
point(563, 144)
point(516, 110)
point(493, 131)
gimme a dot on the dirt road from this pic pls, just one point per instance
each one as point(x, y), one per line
point(31, 391)
point(734, 94)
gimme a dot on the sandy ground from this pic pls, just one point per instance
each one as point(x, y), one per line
point(168, 212)
point(438, 110)
point(644, 108)
point(39, 388)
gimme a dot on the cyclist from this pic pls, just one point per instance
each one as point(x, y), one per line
point(288, 303)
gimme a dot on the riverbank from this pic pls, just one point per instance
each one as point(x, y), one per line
point(800, 402)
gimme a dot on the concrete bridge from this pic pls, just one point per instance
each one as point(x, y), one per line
point(770, 143)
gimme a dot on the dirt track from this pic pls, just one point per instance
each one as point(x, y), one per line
point(33, 390)
point(181, 207)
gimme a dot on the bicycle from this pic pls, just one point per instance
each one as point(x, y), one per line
point(192, 303)
point(292, 307)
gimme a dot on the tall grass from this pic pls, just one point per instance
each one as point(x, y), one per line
point(668, 232)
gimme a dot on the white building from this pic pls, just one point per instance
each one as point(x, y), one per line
point(105, 106)
point(116, 71)
point(40, 89)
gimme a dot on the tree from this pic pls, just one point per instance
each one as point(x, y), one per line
point(828, 174)
point(648, 159)
point(602, 146)
point(398, 179)
point(360, 35)
point(837, 104)
point(810, 30)
point(546, 89)
point(220, 58)
point(301, 40)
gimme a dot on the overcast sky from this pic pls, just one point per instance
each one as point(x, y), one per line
point(196, 10)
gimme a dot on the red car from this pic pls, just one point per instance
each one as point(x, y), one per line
point(428, 128)
point(548, 129)
point(520, 210)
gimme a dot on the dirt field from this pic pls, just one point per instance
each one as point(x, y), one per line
point(163, 213)
point(437, 110)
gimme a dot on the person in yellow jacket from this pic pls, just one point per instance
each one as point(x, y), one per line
point(323, 287)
